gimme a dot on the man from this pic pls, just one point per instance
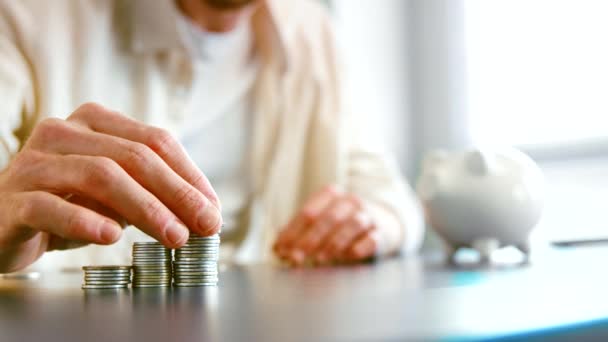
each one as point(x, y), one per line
point(247, 91)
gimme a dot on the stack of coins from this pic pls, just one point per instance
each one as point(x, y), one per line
point(151, 265)
point(106, 277)
point(195, 263)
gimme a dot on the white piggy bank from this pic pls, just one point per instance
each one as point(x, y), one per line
point(482, 200)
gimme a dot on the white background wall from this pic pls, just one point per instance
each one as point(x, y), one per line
point(374, 38)
point(407, 59)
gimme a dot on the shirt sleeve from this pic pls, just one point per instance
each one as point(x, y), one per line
point(371, 171)
point(16, 90)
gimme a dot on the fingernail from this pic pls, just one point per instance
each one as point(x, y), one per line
point(209, 220)
point(110, 233)
point(177, 233)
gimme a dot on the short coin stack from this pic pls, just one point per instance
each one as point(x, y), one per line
point(106, 277)
point(195, 263)
point(151, 265)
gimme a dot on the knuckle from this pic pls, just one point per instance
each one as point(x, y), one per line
point(85, 110)
point(161, 141)
point(198, 181)
point(156, 214)
point(101, 173)
point(137, 154)
point(26, 159)
point(49, 129)
point(189, 197)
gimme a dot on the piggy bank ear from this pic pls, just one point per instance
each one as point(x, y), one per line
point(478, 162)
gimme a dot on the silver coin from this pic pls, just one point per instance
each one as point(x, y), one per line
point(105, 278)
point(157, 272)
point(197, 243)
point(124, 283)
point(195, 260)
point(106, 268)
point(118, 273)
point(140, 252)
point(152, 279)
point(151, 266)
point(150, 252)
point(156, 253)
point(158, 263)
point(106, 281)
point(151, 285)
point(150, 274)
point(104, 274)
point(107, 274)
point(151, 248)
point(199, 256)
point(195, 239)
point(103, 287)
point(194, 285)
point(151, 260)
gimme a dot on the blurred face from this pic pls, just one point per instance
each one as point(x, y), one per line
point(217, 15)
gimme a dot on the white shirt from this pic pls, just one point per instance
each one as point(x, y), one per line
point(219, 118)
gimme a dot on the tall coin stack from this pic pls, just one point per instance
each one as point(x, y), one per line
point(106, 277)
point(195, 263)
point(151, 265)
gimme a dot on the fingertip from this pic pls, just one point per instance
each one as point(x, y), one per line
point(176, 235)
point(210, 221)
point(110, 233)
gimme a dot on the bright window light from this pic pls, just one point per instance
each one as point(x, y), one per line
point(537, 71)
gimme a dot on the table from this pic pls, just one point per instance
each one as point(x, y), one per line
point(562, 294)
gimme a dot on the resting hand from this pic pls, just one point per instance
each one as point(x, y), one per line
point(332, 227)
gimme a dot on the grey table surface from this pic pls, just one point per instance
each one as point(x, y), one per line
point(399, 299)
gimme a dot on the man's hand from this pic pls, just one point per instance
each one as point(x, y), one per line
point(79, 180)
point(332, 227)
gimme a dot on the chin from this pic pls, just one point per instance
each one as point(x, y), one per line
point(223, 26)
